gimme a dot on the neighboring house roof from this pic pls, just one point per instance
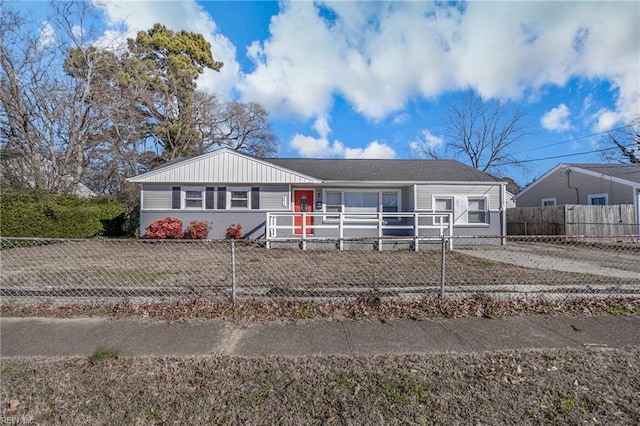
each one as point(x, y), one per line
point(243, 168)
point(629, 172)
point(626, 174)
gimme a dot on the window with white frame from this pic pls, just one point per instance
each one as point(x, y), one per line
point(390, 205)
point(598, 199)
point(390, 202)
point(443, 205)
point(361, 202)
point(548, 202)
point(239, 198)
point(332, 203)
point(193, 198)
point(477, 210)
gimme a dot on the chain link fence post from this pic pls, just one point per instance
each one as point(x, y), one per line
point(443, 266)
point(233, 271)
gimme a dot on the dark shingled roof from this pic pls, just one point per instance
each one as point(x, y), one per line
point(629, 172)
point(384, 170)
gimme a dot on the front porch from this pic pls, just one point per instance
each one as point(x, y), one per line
point(410, 228)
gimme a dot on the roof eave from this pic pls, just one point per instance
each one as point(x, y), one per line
point(580, 170)
point(409, 182)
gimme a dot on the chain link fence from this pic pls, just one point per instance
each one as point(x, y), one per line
point(100, 272)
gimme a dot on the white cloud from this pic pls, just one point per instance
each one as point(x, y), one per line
point(428, 143)
point(321, 125)
point(77, 31)
point(606, 120)
point(47, 34)
point(127, 18)
point(320, 147)
point(401, 118)
point(374, 150)
point(381, 55)
point(557, 119)
point(308, 146)
point(294, 69)
point(430, 140)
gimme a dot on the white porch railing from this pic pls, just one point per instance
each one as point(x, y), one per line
point(282, 226)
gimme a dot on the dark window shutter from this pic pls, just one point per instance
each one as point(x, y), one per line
point(175, 198)
point(209, 193)
point(222, 198)
point(255, 198)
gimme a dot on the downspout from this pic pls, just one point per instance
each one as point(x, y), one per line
point(571, 187)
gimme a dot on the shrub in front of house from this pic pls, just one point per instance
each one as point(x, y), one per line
point(29, 213)
point(163, 229)
point(198, 230)
point(234, 232)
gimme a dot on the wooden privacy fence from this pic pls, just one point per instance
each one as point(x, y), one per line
point(573, 219)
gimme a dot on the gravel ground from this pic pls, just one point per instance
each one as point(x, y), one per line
point(590, 386)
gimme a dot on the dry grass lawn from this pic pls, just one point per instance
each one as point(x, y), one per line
point(595, 386)
point(207, 264)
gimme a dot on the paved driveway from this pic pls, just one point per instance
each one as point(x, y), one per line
point(614, 261)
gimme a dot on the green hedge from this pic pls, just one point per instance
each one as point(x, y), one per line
point(27, 212)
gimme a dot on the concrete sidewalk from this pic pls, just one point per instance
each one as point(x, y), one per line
point(133, 337)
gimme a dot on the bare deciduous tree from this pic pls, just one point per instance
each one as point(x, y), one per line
point(484, 135)
point(244, 127)
point(628, 143)
point(48, 128)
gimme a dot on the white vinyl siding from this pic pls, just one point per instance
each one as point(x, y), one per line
point(407, 198)
point(156, 197)
point(425, 194)
point(159, 197)
point(458, 199)
point(223, 166)
point(427, 197)
point(274, 198)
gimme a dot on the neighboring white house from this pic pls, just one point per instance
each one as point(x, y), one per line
point(339, 198)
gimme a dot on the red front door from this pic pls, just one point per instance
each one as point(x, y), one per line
point(302, 202)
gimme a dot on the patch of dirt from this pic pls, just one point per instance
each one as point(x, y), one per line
point(591, 386)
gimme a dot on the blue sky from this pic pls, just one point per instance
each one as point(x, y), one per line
point(365, 79)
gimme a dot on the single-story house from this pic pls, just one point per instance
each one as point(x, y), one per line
point(278, 198)
point(589, 184)
point(585, 184)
